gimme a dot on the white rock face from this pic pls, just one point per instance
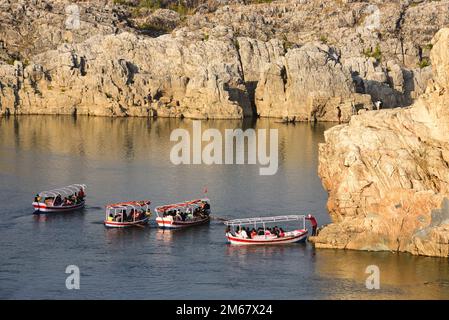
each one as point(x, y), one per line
point(309, 83)
point(232, 45)
point(129, 75)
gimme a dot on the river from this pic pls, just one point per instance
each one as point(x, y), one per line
point(129, 159)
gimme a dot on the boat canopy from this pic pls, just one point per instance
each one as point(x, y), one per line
point(264, 220)
point(187, 204)
point(129, 205)
point(63, 192)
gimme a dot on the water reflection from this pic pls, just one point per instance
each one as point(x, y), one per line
point(400, 274)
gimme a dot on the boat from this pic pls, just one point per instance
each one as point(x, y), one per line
point(293, 236)
point(183, 215)
point(64, 199)
point(127, 214)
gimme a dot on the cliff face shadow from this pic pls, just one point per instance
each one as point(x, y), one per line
point(385, 91)
point(251, 88)
point(243, 100)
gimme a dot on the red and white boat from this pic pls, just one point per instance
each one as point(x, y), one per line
point(262, 235)
point(127, 214)
point(64, 199)
point(183, 215)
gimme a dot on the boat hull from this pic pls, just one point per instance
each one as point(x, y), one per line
point(116, 224)
point(297, 236)
point(42, 207)
point(165, 223)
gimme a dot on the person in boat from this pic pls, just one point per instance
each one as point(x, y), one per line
point(189, 215)
point(178, 216)
point(243, 233)
point(110, 217)
point(37, 198)
point(206, 206)
point(281, 233)
point(253, 233)
point(260, 231)
point(58, 201)
point(313, 222)
point(268, 232)
point(81, 194)
point(228, 230)
point(124, 216)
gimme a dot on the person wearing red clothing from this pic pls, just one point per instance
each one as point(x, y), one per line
point(313, 222)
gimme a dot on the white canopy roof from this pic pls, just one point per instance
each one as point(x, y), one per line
point(64, 191)
point(259, 220)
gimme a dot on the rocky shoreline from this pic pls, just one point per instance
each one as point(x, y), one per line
point(294, 59)
point(387, 173)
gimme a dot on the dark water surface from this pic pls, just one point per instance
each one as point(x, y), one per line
point(127, 159)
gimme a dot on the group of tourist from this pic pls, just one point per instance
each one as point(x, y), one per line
point(191, 213)
point(59, 201)
point(246, 233)
point(122, 216)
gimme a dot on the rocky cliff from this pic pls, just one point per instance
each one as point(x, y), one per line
point(387, 173)
point(297, 59)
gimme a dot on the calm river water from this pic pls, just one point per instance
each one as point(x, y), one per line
point(123, 159)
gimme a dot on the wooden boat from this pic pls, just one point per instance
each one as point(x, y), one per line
point(64, 199)
point(176, 216)
point(293, 236)
point(127, 214)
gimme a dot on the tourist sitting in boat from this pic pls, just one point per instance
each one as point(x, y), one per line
point(81, 195)
point(276, 231)
point(205, 207)
point(58, 201)
point(117, 217)
point(243, 233)
point(189, 213)
point(281, 233)
point(253, 233)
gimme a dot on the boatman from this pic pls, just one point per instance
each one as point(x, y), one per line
point(313, 223)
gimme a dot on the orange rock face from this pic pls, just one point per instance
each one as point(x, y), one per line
point(387, 173)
